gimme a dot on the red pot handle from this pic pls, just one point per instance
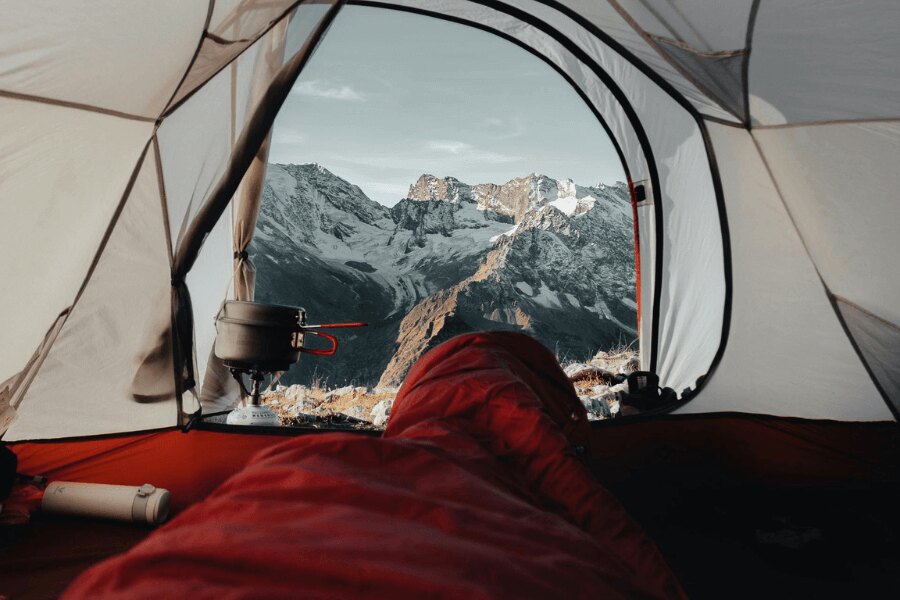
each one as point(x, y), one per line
point(332, 325)
point(321, 351)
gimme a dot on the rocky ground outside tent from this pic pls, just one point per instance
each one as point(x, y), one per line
point(370, 408)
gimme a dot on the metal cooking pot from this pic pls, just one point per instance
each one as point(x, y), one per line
point(267, 337)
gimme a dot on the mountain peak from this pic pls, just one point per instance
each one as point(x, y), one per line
point(429, 188)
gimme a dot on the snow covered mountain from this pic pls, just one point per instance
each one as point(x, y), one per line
point(548, 257)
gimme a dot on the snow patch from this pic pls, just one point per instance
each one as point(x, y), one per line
point(524, 288)
point(547, 297)
point(494, 239)
point(566, 205)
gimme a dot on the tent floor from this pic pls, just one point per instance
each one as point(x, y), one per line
point(775, 542)
point(741, 507)
point(754, 507)
point(39, 560)
point(735, 543)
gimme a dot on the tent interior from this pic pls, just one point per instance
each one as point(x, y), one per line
point(760, 142)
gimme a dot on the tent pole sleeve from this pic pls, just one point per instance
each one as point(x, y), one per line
point(248, 196)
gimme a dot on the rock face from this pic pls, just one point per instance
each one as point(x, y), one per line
point(547, 257)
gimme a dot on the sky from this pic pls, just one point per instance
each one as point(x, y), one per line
point(390, 95)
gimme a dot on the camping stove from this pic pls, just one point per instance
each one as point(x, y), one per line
point(254, 413)
point(258, 339)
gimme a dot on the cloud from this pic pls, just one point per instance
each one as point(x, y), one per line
point(469, 152)
point(449, 146)
point(316, 88)
point(505, 129)
point(286, 136)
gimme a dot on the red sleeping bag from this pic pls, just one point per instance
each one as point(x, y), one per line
point(473, 491)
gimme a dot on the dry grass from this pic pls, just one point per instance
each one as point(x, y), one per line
point(621, 359)
point(367, 401)
point(589, 382)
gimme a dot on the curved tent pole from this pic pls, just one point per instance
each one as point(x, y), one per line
point(700, 120)
point(245, 150)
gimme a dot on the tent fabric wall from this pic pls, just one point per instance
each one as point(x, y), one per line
point(608, 17)
point(825, 60)
point(87, 371)
point(181, 151)
point(57, 205)
point(77, 54)
point(785, 341)
point(843, 200)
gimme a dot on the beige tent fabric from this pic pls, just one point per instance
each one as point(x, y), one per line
point(62, 174)
point(845, 206)
point(268, 60)
point(126, 58)
point(787, 353)
point(606, 16)
point(184, 186)
point(235, 20)
point(823, 60)
point(12, 390)
point(234, 26)
point(81, 386)
point(245, 223)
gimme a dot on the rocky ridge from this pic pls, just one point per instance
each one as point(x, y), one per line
point(547, 257)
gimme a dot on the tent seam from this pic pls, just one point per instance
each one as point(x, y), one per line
point(163, 197)
point(745, 67)
point(187, 71)
point(74, 105)
point(825, 123)
point(868, 313)
point(720, 121)
point(652, 42)
point(29, 371)
point(173, 107)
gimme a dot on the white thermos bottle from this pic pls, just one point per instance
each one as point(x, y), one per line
point(144, 504)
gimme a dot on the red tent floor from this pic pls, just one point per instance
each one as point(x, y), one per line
point(809, 512)
point(762, 507)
